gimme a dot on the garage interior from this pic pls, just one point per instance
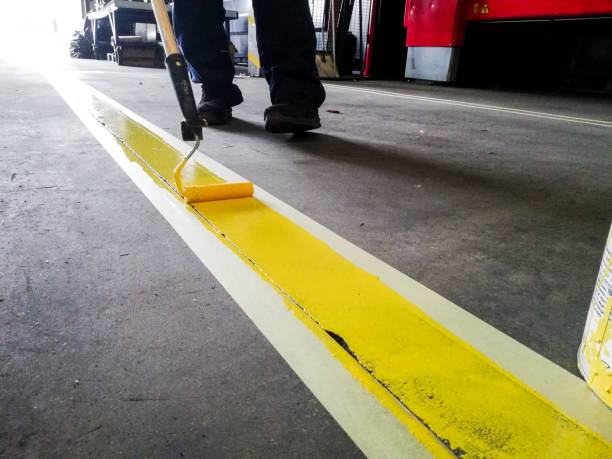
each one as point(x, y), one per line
point(465, 152)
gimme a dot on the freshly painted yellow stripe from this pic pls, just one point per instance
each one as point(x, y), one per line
point(146, 148)
point(463, 397)
point(149, 148)
point(254, 60)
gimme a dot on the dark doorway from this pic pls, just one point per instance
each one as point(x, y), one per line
point(388, 41)
point(542, 55)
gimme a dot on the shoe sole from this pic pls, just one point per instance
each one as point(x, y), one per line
point(277, 123)
point(216, 120)
point(236, 99)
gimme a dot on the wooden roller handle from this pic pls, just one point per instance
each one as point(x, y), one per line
point(165, 28)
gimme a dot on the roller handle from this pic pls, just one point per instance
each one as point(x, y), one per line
point(191, 127)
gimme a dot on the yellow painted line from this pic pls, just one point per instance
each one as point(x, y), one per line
point(375, 430)
point(254, 60)
point(159, 159)
point(463, 396)
point(476, 106)
point(459, 394)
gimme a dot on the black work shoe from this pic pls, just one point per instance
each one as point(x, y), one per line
point(218, 110)
point(291, 117)
point(214, 112)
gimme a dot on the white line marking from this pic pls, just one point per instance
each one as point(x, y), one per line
point(562, 388)
point(494, 108)
point(376, 431)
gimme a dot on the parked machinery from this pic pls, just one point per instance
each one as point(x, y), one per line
point(513, 40)
point(124, 31)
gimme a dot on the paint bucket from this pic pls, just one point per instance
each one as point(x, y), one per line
point(595, 352)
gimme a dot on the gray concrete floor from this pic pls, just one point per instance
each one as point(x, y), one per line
point(505, 215)
point(115, 341)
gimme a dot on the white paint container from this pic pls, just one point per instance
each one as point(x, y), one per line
point(595, 353)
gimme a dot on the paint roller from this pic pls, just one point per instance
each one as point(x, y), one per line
point(191, 126)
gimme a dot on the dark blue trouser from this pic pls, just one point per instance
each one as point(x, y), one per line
point(285, 38)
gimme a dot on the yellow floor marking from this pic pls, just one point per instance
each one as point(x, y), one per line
point(255, 60)
point(160, 157)
point(461, 395)
point(142, 146)
point(375, 429)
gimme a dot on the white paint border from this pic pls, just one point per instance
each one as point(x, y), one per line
point(472, 105)
point(563, 389)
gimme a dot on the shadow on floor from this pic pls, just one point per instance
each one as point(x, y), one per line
point(551, 192)
point(557, 193)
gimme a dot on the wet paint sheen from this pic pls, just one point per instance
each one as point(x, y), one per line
point(144, 146)
point(467, 400)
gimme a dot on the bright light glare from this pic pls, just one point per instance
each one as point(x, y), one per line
point(37, 28)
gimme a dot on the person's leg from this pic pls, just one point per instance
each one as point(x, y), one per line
point(286, 41)
point(198, 26)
